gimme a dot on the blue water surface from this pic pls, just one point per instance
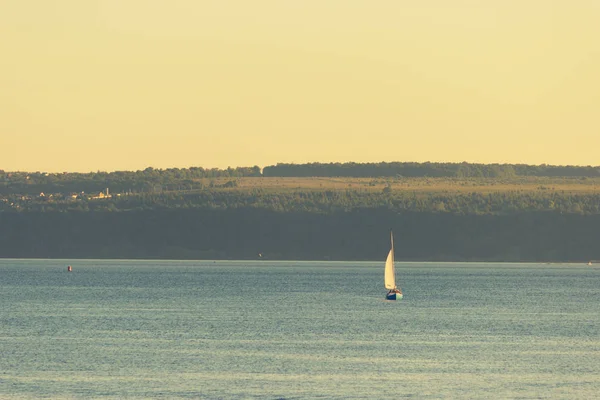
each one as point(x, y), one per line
point(297, 330)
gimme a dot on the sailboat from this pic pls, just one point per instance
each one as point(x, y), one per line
point(394, 293)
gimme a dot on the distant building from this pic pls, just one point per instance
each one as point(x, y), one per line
point(102, 195)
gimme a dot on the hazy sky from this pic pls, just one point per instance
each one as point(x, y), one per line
point(107, 85)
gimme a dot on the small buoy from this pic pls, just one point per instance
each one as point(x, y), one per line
point(69, 269)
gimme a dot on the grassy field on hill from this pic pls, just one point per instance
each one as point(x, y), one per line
point(581, 185)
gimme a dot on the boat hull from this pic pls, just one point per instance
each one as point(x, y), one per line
point(394, 296)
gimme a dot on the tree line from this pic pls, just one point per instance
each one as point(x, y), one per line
point(149, 179)
point(324, 202)
point(428, 169)
point(119, 181)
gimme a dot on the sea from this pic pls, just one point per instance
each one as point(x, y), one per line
point(116, 329)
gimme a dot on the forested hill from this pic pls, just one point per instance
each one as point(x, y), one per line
point(513, 214)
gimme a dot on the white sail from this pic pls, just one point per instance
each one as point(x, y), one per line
point(390, 275)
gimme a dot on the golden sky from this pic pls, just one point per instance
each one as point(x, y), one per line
point(108, 85)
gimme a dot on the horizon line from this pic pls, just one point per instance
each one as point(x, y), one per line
point(303, 163)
